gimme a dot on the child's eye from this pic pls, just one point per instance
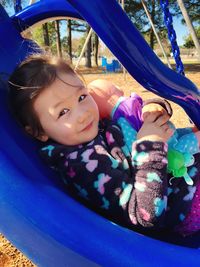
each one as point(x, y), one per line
point(82, 97)
point(63, 112)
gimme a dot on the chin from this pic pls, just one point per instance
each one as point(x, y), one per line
point(92, 136)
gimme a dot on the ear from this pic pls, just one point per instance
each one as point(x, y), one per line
point(42, 137)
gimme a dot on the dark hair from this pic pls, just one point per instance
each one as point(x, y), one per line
point(27, 81)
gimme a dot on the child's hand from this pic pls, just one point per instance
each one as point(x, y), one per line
point(153, 108)
point(155, 128)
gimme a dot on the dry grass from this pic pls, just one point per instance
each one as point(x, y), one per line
point(9, 255)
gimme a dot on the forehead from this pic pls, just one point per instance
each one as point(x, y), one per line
point(65, 83)
point(64, 86)
point(70, 79)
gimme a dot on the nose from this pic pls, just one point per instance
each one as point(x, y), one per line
point(83, 115)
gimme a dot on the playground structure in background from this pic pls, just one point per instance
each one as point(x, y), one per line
point(113, 66)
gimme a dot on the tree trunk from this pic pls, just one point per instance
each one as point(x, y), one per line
point(153, 21)
point(88, 62)
point(190, 26)
point(46, 35)
point(69, 39)
point(151, 39)
point(96, 48)
point(58, 42)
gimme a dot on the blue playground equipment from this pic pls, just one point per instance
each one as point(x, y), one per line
point(114, 66)
point(36, 214)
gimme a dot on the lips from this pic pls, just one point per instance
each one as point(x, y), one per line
point(88, 127)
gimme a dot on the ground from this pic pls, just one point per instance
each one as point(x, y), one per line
point(9, 255)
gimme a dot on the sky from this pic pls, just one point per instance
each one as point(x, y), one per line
point(180, 29)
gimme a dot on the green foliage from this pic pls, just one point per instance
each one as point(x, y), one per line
point(9, 5)
point(136, 13)
point(193, 9)
point(78, 26)
point(188, 39)
point(37, 35)
point(77, 45)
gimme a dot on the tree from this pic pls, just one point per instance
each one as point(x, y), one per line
point(96, 47)
point(11, 3)
point(38, 36)
point(136, 13)
point(46, 34)
point(79, 26)
point(189, 25)
point(193, 9)
point(58, 41)
point(88, 62)
point(188, 39)
point(190, 17)
point(69, 39)
point(77, 45)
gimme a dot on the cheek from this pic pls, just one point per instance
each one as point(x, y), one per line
point(50, 127)
point(45, 124)
point(95, 113)
point(67, 127)
point(61, 132)
point(95, 108)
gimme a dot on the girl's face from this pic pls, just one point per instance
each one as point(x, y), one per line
point(67, 112)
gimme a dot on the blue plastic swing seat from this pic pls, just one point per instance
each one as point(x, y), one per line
point(36, 214)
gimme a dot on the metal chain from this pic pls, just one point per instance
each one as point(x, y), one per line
point(172, 36)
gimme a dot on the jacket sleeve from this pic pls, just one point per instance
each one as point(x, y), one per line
point(148, 200)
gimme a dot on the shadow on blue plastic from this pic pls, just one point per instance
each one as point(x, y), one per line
point(36, 215)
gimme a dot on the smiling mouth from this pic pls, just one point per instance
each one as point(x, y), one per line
point(88, 127)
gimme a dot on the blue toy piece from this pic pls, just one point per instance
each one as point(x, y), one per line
point(181, 148)
point(117, 66)
point(36, 214)
point(103, 62)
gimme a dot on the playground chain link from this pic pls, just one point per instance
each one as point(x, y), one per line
point(172, 36)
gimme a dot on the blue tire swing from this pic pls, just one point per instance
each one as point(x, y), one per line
point(37, 215)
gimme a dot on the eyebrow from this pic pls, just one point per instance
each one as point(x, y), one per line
point(60, 102)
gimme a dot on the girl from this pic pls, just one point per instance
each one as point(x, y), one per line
point(129, 184)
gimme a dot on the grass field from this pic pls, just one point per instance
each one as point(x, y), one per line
point(9, 255)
